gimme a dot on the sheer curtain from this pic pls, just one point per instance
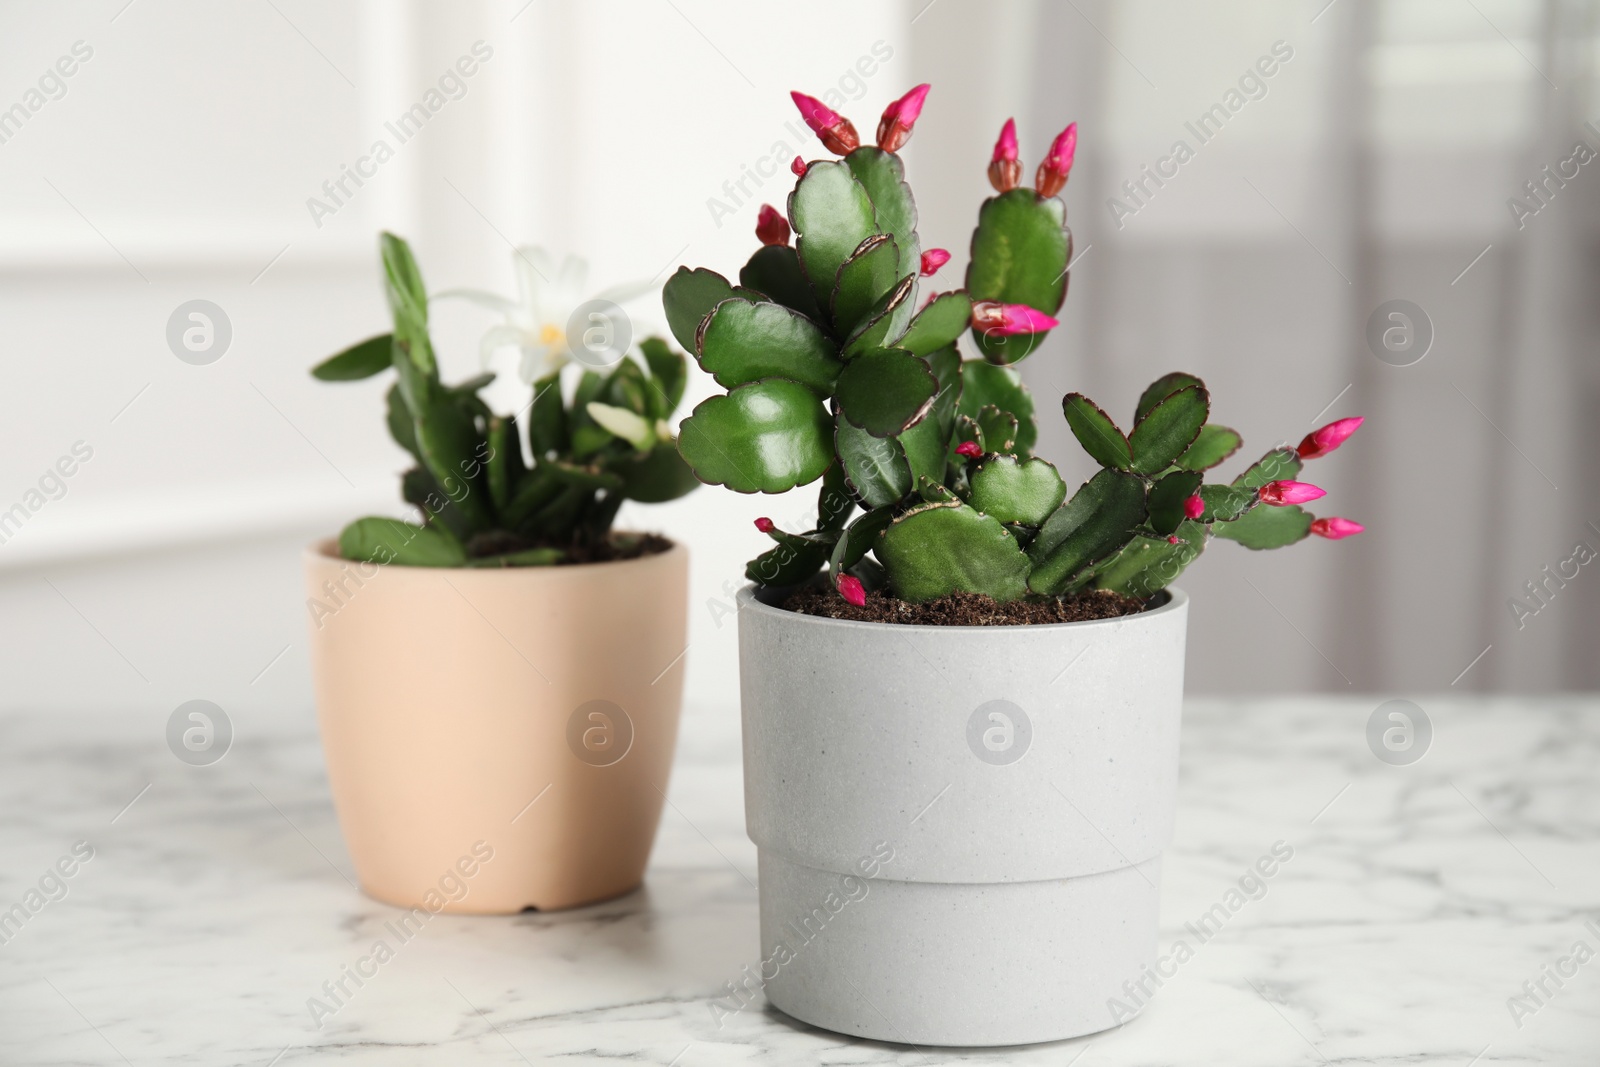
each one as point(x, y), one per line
point(1381, 159)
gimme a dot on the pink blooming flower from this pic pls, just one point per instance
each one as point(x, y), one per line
point(1174, 539)
point(1194, 507)
point(1057, 163)
point(771, 227)
point(851, 589)
point(798, 167)
point(837, 134)
point(1005, 170)
point(1333, 527)
point(932, 260)
point(894, 129)
point(993, 319)
point(1321, 442)
point(969, 449)
point(1285, 492)
point(764, 524)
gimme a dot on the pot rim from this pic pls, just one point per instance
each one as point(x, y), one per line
point(750, 599)
point(328, 548)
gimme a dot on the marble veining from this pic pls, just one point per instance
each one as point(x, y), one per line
point(1416, 902)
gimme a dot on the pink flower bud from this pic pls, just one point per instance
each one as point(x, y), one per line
point(1005, 170)
point(1174, 539)
point(1194, 507)
point(1321, 442)
point(771, 227)
point(1333, 527)
point(1057, 163)
point(764, 524)
point(837, 134)
point(932, 260)
point(969, 449)
point(1284, 492)
point(894, 129)
point(993, 319)
point(851, 589)
point(798, 167)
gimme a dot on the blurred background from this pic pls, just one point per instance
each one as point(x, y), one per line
point(1436, 152)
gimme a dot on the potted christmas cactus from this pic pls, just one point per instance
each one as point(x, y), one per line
point(961, 689)
point(498, 685)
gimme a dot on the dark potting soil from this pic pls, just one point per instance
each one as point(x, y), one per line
point(618, 546)
point(963, 609)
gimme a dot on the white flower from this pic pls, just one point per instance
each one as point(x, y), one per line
point(536, 322)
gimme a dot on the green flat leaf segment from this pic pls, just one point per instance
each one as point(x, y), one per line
point(1013, 490)
point(1096, 432)
point(1099, 519)
point(831, 214)
point(764, 437)
point(942, 549)
point(746, 342)
point(885, 391)
point(1169, 429)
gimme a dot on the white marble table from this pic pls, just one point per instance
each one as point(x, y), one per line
point(1418, 901)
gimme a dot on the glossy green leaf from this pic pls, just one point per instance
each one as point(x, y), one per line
point(547, 418)
point(588, 477)
point(834, 503)
point(857, 540)
point(792, 560)
point(390, 541)
point(1146, 565)
point(504, 461)
point(983, 383)
point(746, 342)
point(1099, 519)
point(669, 371)
point(1020, 253)
point(864, 279)
point(1013, 490)
point(659, 475)
point(938, 324)
point(418, 488)
point(885, 391)
point(402, 423)
point(1096, 432)
point(831, 214)
point(1167, 498)
point(927, 444)
point(875, 466)
point(1169, 429)
point(372, 356)
point(765, 437)
point(688, 297)
point(774, 271)
point(1215, 444)
point(997, 430)
point(1267, 527)
point(1225, 503)
point(453, 453)
point(1162, 388)
point(535, 493)
point(882, 174)
point(1277, 465)
point(886, 321)
point(403, 287)
point(939, 549)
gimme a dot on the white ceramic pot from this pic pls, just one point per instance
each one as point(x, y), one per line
point(959, 828)
point(498, 739)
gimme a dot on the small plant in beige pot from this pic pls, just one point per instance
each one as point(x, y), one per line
point(498, 684)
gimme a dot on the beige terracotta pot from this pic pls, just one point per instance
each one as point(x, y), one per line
point(498, 739)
